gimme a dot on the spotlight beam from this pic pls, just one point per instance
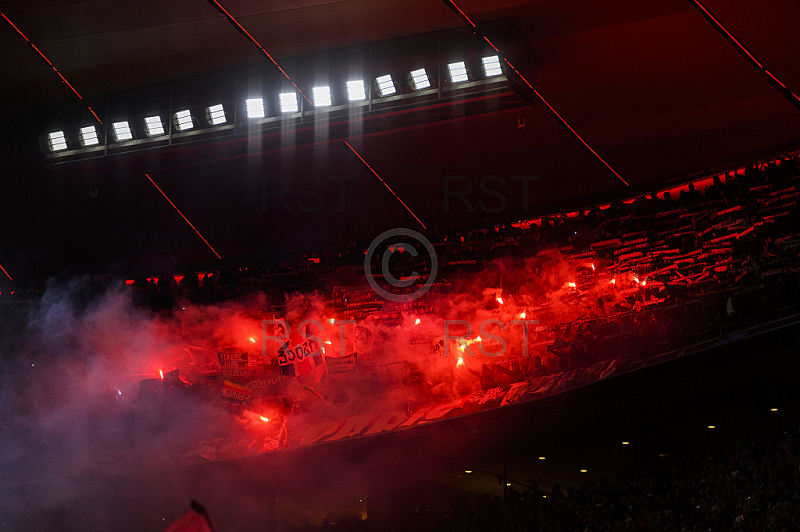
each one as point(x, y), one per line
point(5, 272)
point(385, 184)
point(453, 6)
point(778, 84)
point(241, 29)
point(51, 65)
point(182, 216)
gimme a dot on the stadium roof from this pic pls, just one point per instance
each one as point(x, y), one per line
point(652, 86)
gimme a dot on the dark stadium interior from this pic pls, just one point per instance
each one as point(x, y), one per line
point(137, 373)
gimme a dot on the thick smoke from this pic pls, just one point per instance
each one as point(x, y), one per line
point(84, 445)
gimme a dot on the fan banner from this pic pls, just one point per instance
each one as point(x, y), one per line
point(232, 364)
point(341, 364)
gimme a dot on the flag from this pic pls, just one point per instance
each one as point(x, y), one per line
point(299, 356)
point(341, 364)
point(235, 392)
point(316, 393)
point(195, 519)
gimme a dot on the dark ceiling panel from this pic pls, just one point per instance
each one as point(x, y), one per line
point(651, 85)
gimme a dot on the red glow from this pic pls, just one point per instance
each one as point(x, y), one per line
point(182, 216)
point(129, 282)
point(178, 278)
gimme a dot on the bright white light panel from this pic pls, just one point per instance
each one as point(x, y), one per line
point(458, 72)
point(322, 96)
point(122, 131)
point(356, 91)
point(153, 126)
point(57, 141)
point(255, 107)
point(288, 101)
point(420, 79)
point(183, 120)
point(216, 115)
point(491, 66)
point(89, 136)
point(385, 85)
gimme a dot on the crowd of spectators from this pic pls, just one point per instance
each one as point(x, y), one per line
point(751, 487)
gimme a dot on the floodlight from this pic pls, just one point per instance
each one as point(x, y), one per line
point(458, 72)
point(216, 115)
point(153, 126)
point(356, 91)
point(386, 85)
point(122, 131)
point(419, 79)
point(89, 136)
point(491, 66)
point(322, 96)
point(56, 141)
point(255, 107)
point(288, 102)
point(183, 120)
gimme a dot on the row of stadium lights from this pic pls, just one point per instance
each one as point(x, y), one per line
point(288, 102)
